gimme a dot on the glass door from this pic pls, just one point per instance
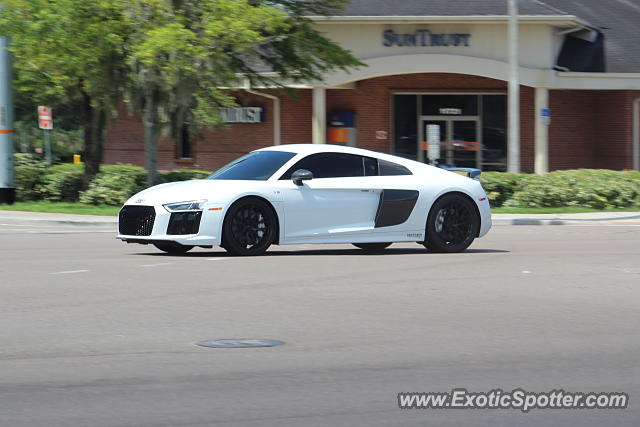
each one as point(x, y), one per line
point(463, 143)
point(459, 140)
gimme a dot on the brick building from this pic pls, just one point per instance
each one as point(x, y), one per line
point(444, 63)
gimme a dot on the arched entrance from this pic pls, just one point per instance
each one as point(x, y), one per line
point(393, 113)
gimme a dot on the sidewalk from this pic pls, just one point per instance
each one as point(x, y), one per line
point(589, 218)
point(40, 218)
point(592, 218)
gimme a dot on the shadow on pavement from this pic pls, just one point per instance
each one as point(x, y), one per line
point(323, 252)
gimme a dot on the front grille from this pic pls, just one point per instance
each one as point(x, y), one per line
point(184, 223)
point(136, 220)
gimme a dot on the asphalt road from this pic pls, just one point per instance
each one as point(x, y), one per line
point(94, 332)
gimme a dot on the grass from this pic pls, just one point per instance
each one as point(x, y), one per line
point(62, 207)
point(566, 209)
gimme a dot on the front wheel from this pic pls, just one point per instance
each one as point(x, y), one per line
point(173, 248)
point(372, 247)
point(249, 227)
point(452, 225)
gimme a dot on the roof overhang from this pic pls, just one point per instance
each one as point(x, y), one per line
point(554, 20)
point(446, 63)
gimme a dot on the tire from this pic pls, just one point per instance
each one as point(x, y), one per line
point(249, 228)
point(173, 248)
point(452, 225)
point(372, 247)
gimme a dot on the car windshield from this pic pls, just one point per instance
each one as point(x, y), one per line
point(256, 166)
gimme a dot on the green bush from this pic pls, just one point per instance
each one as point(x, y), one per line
point(61, 183)
point(590, 188)
point(183, 175)
point(28, 179)
point(500, 186)
point(114, 185)
point(28, 159)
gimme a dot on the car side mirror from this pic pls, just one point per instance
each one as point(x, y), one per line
point(301, 175)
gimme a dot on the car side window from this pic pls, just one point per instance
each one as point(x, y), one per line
point(390, 168)
point(370, 166)
point(329, 165)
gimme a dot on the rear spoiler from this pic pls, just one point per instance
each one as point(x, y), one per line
point(468, 172)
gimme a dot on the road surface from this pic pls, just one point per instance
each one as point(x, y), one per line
point(95, 332)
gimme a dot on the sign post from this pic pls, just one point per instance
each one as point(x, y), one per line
point(45, 122)
point(7, 173)
point(433, 141)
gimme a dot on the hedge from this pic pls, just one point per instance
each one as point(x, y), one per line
point(112, 186)
point(589, 188)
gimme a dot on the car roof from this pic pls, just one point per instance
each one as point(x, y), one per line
point(316, 148)
point(334, 148)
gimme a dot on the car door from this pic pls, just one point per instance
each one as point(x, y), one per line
point(336, 204)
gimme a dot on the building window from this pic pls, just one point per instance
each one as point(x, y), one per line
point(494, 133)
point(184, 143)
point(405, 125)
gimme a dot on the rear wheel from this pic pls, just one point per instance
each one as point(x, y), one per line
point(173, 248)
point(372, 247)
point(249, 227)
point(452, 224)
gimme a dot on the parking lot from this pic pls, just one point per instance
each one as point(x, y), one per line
point(97, 332)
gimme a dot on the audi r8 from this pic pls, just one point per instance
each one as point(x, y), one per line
point(311, 193)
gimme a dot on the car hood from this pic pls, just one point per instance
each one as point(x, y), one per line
point(213, 190)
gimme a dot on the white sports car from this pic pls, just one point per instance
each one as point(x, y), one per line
point(311, 193)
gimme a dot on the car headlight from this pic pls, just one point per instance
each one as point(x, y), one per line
point(190, 206)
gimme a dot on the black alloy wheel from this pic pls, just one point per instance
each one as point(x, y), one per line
point(173, 248)
point(372, 247)
point(249, 227)
point(452, 225)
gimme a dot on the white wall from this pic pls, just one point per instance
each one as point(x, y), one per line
point(488, 41)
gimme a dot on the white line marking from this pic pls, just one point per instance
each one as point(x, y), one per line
point(526, 272)
point(155, 265)
point(70, 272)
point(215, 259)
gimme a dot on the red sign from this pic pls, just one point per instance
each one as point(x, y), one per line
point(381, 134)
point(44, 111)
point(46, 124)
point(45, 118)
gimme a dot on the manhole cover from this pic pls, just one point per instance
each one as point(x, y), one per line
point(240, 343)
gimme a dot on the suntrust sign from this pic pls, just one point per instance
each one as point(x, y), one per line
point(425, 38)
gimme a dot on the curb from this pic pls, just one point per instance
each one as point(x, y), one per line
point(59, 222)
point(629, 218)
point(528, 221)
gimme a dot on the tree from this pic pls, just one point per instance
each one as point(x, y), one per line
point(67, 52)
point(185, 51)
point(170, 58)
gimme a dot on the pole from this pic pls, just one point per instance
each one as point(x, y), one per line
point(47, 147)
point(513, 146)
point(319, 117)
point(542, 121)
point(7, 173)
